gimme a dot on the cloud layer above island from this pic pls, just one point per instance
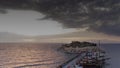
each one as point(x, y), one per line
point(96, 15)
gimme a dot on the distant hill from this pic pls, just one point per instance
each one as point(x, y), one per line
point(79, 36)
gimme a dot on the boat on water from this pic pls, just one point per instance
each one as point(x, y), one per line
point(89, 55)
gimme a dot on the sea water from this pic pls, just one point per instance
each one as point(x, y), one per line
point(113, 52)
point(29, 55)
point(36, 55)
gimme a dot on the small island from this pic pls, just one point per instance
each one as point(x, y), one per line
point(79, 47)
point(89, 55)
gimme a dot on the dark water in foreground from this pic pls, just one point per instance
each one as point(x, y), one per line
point(31, 55)
point(113, 51)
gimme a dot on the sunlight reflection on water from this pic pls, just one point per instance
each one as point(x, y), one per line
point(34, 55)
point(29, 56)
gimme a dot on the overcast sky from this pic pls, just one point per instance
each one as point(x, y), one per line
point(61, 20)
point(26, 23)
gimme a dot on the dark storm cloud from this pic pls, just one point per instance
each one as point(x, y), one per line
point(97, 15)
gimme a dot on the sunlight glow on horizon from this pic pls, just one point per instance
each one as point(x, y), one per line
point(29, 40)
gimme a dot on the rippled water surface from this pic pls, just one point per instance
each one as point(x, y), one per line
point(35, 55)
point(30, 56)
point(113, 51)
